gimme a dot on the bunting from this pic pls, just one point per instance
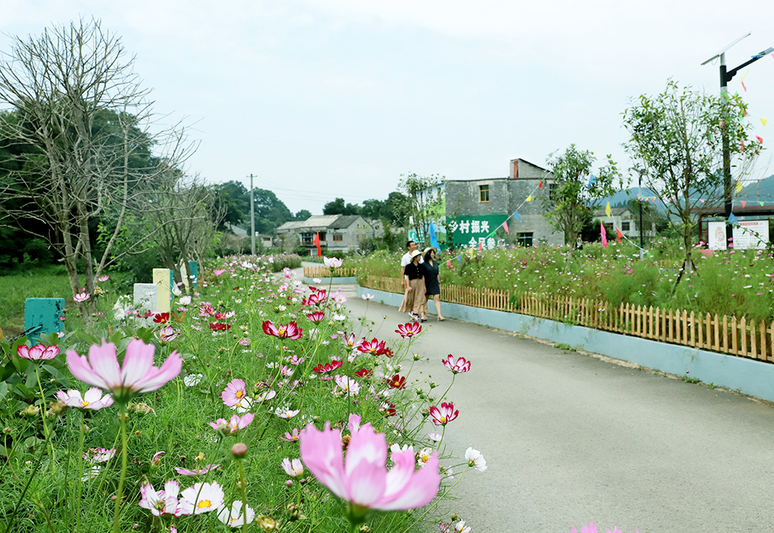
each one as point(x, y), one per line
point(732, 219)
point(316, 242)
point(604, 235)
point(607, 210)
point(592, 180)
point(516, 214)
point(529, 198)
point(618, 235)
point(505, 227)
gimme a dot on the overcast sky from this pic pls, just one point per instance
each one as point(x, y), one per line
point(337, 98)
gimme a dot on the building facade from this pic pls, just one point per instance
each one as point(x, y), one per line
point(337, 232)
point(475, 208)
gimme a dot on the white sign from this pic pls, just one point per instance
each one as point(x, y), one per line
point(747, 234)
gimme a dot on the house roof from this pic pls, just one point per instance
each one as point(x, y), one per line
point(344, 221)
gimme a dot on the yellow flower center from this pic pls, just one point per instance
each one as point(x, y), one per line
point(204, 503)
point(443, 420)
point(84, 403)
point(281, 331)
point(239, 394)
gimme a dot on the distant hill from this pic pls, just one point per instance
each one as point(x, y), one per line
point(760, 191)
point(623, 197)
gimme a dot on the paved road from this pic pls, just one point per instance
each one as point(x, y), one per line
point(570, 438)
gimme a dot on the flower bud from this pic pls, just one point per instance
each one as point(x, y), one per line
point(239, 450)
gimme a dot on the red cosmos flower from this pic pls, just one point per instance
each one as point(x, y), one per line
point(290, 331)
point(387, 409)
point(388, 352)
point(328, 367)
point(461, 365)
point(409, 329)
point(398, 382)
point(161, 318)
point(217, 326)
point(374, 347)
point(364, 373)
point(316, 317)
point(444, 415)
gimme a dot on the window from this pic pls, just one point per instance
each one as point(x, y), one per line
point(306, 239)
point(624, 226)
point(483, 193)
point(338, 237)
point(524, 239)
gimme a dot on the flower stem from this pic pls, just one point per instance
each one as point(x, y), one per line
point(119, 494)
point(43, 417)
point(79, 476)
point(454, 376)
point(438, 500)
point(243, 486)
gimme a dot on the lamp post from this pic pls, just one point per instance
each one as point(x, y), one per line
point(725, 77)
point(642, 242)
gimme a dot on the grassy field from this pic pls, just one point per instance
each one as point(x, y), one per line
point(16, 287)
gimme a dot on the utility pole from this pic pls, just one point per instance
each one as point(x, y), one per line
point(725, 77)
point(252, 215)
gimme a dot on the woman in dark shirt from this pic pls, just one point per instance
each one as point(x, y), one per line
point(414, 299)
point(432, 286)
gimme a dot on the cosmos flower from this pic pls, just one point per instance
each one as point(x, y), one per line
point(291, 437)
point(81, 297)
point(332, 262)
point(293, 468)
point(235, 517)
point(316, 317)
point(92, 399)
point(198, 472)
point(397, 382)
point(361, 478)
point(201, 498)
point(163, 502)
point(290, 331)
point(232, 426)
point(135, 376)
point(38, 352)
point(444, 415)
point(409, 329)
point(475, 459)
point(327, 367)
point(234, 392)
point(459, 366)
point(374, 347)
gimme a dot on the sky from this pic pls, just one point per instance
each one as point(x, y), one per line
point(319, 99)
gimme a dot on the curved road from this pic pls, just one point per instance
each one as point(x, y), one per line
point(570, 438)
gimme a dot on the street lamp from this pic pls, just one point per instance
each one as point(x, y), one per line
point(725, 77)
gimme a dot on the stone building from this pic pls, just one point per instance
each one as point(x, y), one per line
point(476, 207)
point(337, 232)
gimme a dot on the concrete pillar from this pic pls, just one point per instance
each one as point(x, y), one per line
point(162, 278)
point(42, 315)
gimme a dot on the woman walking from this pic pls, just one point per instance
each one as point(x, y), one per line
point(432, 286)
point(414, 299)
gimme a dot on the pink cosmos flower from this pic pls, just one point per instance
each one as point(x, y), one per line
point(163, 502)
point(218, 272)
point(409, 329)
point(461, 365)
point(332, 262)
point(287, 414)
point(136, 375)
point(367, 296)
point(347, 385)
point(361, 478)
point(156, 459)
point(92, 399)
point(37, 352)
point(291, 331)
point(350, 342)
point(374, 347)
point(293, 468)
point(232, 426)
point(100, 455)
point(81, 297)
point(167, 334)
point(234, 392)
point(103, 279)
point(201, 498)
point(291, 437)
point(444, 415)
point(316, 317)
point(198, 472)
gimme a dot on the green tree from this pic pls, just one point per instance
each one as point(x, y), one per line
point(303, 214)
point(270, 211)
point(234, 198)
point(676, 144)
point(421, 203)
point(338, 207)
point(576, 193)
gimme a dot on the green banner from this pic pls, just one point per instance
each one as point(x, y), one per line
point(470, 230)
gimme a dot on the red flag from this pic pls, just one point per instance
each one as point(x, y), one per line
point(316, 242)
point(480, 246)
point(540, 185)
point(505, 227)
point(760, 139)
point(604, 235)
point(744, 203)
point(618, 235)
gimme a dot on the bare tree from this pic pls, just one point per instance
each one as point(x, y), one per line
point(79, 103)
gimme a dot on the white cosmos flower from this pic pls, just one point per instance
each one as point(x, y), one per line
point(475, 459)
point(235, 517)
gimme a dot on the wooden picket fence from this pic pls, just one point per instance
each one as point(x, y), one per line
point(723, 334)
point(325, 272)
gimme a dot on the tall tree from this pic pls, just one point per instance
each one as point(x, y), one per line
point(303, 214)
point(270, 211)
point(338, 207)
point(61, 84)
point(234, 198)
point(575, 193)
point(677, 145)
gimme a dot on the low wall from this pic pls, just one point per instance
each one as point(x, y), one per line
point(327, 281)
point(736, 373)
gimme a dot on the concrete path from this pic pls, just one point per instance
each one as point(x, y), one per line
point(570, 438)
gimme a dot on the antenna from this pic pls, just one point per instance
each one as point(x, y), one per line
point(722, 51)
